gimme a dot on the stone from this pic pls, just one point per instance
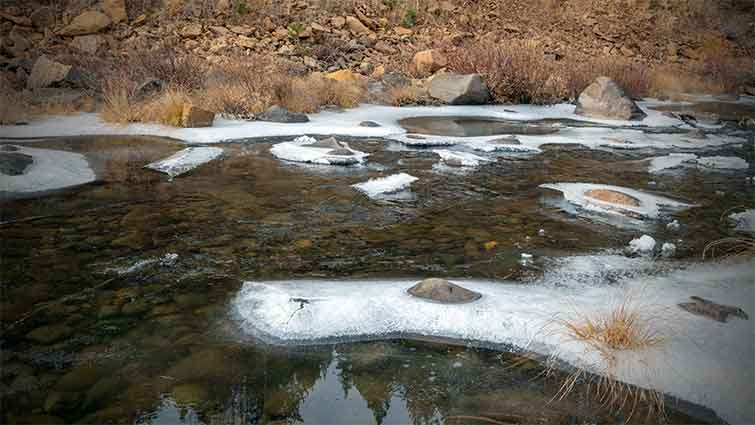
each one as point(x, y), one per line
point(246, 42)
point(356, 26)
point(191, 31)
point(427, 62)
point(282, 115)
point(369, 124)
point(330, 143)
point(14, 163)
point(378, 72)
point(401, 31)
point(115, 10)
point(344, 75)
point(49, 334)
point(18, 20)
point(16, 43)
point(455, 89)
point(443, 291)
point(222, 6)
point(194, 117)
point(87, 43)
point(712, 310)
point(90, 22)
point(613, 197)
point(43, 17)
point(338, 21)
point(605, 99)
point(241, 29)
point(46, 73)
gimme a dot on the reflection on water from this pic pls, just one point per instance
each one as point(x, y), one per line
point(89, 338)
point(473, 126)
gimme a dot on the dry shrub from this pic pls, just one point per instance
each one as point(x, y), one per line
point(308, 94)
point(167, 108)
point(13, 108)
point(122, 106)
point(167, 64)
point(119, 104)
point(405, 95)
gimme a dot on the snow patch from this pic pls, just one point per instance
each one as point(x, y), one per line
point(670, 161)
point(745, 221)
point(460, 159)
point(299, 151)
point(184, 161)
point(723, 162)
point(385, 185)
point(643, 245)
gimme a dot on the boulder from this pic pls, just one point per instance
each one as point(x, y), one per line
point(222, 6)
point(191, 31)
point(43, 17)
point(356, 26)
point(282, 115)
point(605, 99)
point(115, 10)
point(707, 308)
point(338, 21)
point(193, 117)
point(427, 62)
point(369, 124)
point(443, 291)
point(16, 43)
point(344, 75)
point(46, 73)
point(455, 89)
point(14, 163)
point(87, 43)
point(87, 23)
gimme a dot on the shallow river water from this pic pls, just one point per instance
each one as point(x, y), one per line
point(116, 294)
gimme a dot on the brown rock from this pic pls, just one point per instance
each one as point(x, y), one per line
point(338, 21)
point(443, 291)
point(613, 197)
point(712, 310)
point(378, 72)
point(46, 73)
point(116, 10)
point(356, 26)
point(344, 75)
point(16, 43)
point(241, 29)
point(605, 99)
point(246, 42)
point(401, 31)
point(43, 17)
point(87, 23)
point(427, 62)
point(455, 89)
point(18, 20)
point(191, 31)
point(193, 117)
point(318, 28)
point(87, 43)
point(222, 6)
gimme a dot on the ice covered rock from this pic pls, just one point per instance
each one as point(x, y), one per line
point(670, 161)
point(14, 163)
point(185, 160)
point(744, 221)
point(460, 159)
point(605, 99)
point(443, 291)
point(31, 170)
point(674, 226)
point(617, 200)
point(643, 245)
point(723, 162)
point(668, 250)
point(385, 185)
point(326, 152)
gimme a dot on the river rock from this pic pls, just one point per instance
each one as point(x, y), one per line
point(193, 117)
point(46, 73)
point(14, 163)
point(455, 89)
point(87, 43)
point(282, 115)
point(90, 22)
point(605, 99)
point(712, 310)
point(443, 291)
point(356, 26)
point(369, 124)
point(427, 62)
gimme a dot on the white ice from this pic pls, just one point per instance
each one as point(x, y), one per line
point(298, 151)
point(643, 245)
point(460, 159)
point(670, 161)
point(651, 206)
point(701, 360)
point(185, 160)
point(745, 220)
point(51, 169)
point(723, 162)
point(385, 185)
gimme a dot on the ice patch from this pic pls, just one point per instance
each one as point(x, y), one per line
point(723, 162)
point(184, 161)
point(670, 161)
point(745, 221)
point(385, 185)
point(486, 146)
point(423, 141)
point(460, 159)
point(643, 245)
point(299, 151)
point(701, 360)
point(51, 169)
point(650, 206)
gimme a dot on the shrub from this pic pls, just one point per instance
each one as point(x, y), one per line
point(410, 17)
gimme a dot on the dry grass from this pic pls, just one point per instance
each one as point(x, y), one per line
point(308, 94)
point(406, 95)
point(737, 246)
point(13, 108)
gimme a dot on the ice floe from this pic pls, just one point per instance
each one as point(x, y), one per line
point(460, 159)
point(701, 360)
point(50, 170)
point(185, 160)
point(639, 205)
point(723, 162)
point(385, 185)
point(744, 221)
point(670, 161)
point(309, 150)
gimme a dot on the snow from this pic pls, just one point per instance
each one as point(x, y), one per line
point(670, 161)
point(486, 146)
point(385, 185)
point(745, 221)
point(651, 206)
point(184, 161)
point(51, 169)
point(668, 250)
point(701, 360)
point(643, 245)
point(673, 226)
point(723, 162)
point(298, 151)
point(460, 159)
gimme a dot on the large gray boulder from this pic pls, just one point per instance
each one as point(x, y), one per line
point(443, 291)
point(283, 115)
point(455, 89)
point(47, 73)
point(605, 99)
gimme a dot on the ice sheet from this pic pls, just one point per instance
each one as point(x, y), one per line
point(184, 161)
point(51, 169)
point(745, 220)
point(460, 159)
point(299, 151)
point(670, 161)
point(385, 185)
point(723, 162)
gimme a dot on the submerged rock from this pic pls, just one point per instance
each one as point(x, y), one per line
point(605, 99)
point(711, 310)
point(369, 124)
point(283, 115)
point(443, 291)
point(456, 89)
point(14, 163)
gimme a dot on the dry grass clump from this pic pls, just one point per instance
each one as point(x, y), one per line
point(308, 94)
point(406, 95)
point(13, 107)
point(122, 105)
point(737, 246)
